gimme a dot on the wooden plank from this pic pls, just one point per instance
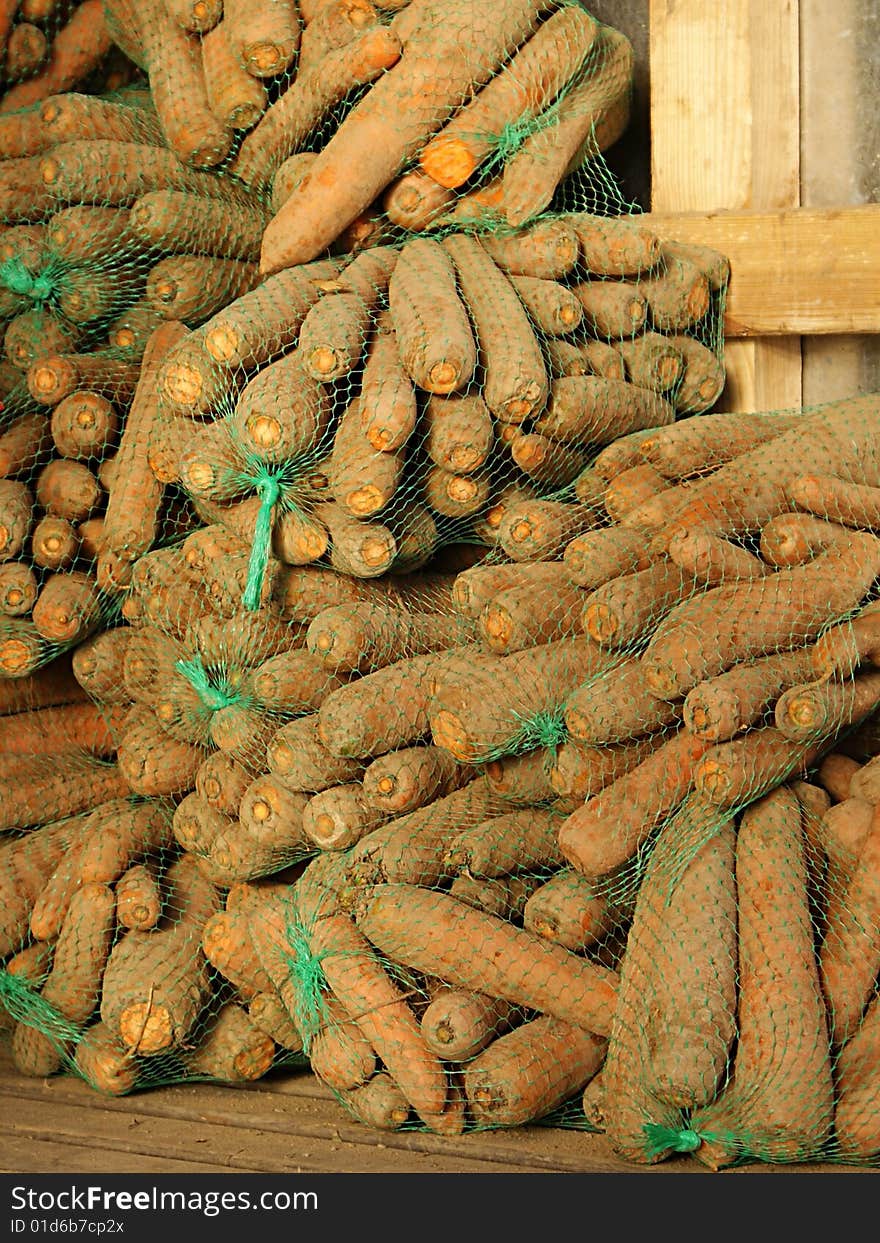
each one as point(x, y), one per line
point(724, 109)
point(30, 1155)
point(798, 272)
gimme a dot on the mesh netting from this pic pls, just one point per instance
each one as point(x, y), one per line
point(403, 673)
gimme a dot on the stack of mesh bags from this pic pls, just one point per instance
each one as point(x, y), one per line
point(453, 710)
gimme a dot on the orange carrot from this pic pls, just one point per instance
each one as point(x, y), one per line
point(318, 88)
point(823, 708)
point(84, 425)
point(56, 376)
point(592, 115)
point(522, 779)
point(855, 1123)
point(236, 98)
point(764, 1112)
point(71, 115)
point(364, 637)
point(519, 840)
point(184, 222)
point(703, 379)
point(597, 557)
point(433, 933)
point(712, 560)
point(414, 201)
point(103, 1062)
point(194, 287)
point(579, 772)
point(151, 762)
point(652, 362)
point(265, 39)
point(735, 772)
point(723, 706)
point(836, 773)
point(836, 500)
point(76, 50)
point(57, 731)
point(569, 911)
point(591, 409)
point(393, 121)
point(138, 898)
point(18, 589)
point(120, 833)
point(610, 828)
point(615, 246)
point(521, 617)
point(538, 530)
point(783, 609)
point(695, 446)
point(288, 176)
point(302, 762)
point(339, 1053)
point(630, 489)
point(456, 1024)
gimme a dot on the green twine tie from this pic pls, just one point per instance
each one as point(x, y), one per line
point(269, 490)
point(17, 278)
point(309, 983)
point(213, 697)
point(666, 1139)
point(27, 1006)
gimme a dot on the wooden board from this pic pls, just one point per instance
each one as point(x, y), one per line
point(794, 272)
point(725, 135)
point(286, 1123)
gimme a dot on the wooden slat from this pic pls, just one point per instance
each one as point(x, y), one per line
point(795, 272)
point(724, 135)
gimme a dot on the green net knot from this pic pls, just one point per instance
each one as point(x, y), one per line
point(268, 488)
point(19, 279)
point(27, 1006)
point(544, 729)
point(667, 1139)
point(308, 981)
point(212, 696)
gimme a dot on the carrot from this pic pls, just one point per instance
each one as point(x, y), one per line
point(363, 549)
point(104, 1063)
point(594, 558)
point(431, 325)
point(157, 981)
point(227, 945)
point(281, 413)
point(612, 309)
point(584, 358)
point(851, 948)
point(298, 757)
point(293, 682)
point(723, 706)
point(194, 287)
point(196, 825)
point(68, 608)
point(31, 965)
point(652, 362)
point(515, 384)
point(785, 608)
point(221, 782)
point(133, 510)
point(370, 997)
point(36, 332)
point(537, 530)
point(287, 177)
point(385, 710)
point(304, 592)
point(363, 637)
point(864, 782)
point(610, 828)
point(481, 710)
point(855, 1071)
point(22, 648)
point(453, 495)
point(54, 684)
point(84, 425)
point(56, 376)
point(525, 615)
point(546, 461)
point(28, 865)
point(18, 589)
point(234, 1050)
point(475, 588)
point(433, 933)
point(362, 480)
point(552, 307)
point(24, 198)
point(612, 246)
point(138, 898)
point(524, 1075)
point(519, 840)
point(188, 223)
point(619, 612)
point(522, 779)
point(677, 296)
point(71, 728)
point(548, 250)
point(533, 78)
point(72, 115)
point(21, 134)
point(435, 51)
point(335, 26)
point(569, 911)
point(414, 201)
point(793, 539)
point(271, 814)
point(840, 649)
point(52, 902)
point(267, 1012)
point(806, 711)
point(152, 762)
point(378, 1103)
point(265, 38)
point(24, 443)
point(120, 833)
point(73, 985)
point(591, 409)
point(339, 1054)
point(412, 777)
point(317, 89)
point(334, 331)
point(735, 772)
point(236, 98)
point(764, 1112)
point(76, 50)
point(712, 560)
point(82, 234)
point(703, 376)
point(579, 772)
point(337, 818)
point(695, 446)
point(749, 491)
point(412, 848)
point(457, 1025)
point(588, 119)
point(841, 837)
point(675, 1019)
point(836, 499)
point(630, 489)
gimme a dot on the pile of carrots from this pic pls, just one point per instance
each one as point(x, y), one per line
point(402, 672)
